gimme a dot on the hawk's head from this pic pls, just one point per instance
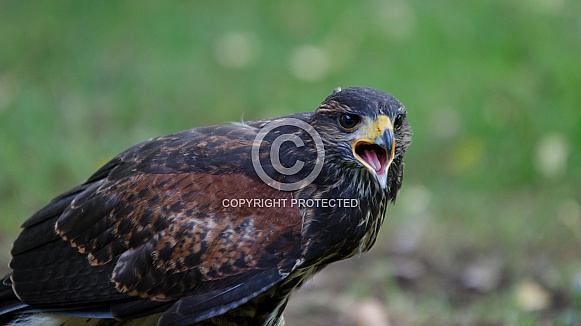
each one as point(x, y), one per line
point(364, 129)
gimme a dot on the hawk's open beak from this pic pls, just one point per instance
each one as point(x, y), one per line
point(375, 150)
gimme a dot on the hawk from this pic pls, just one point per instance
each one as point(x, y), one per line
point(214, 225)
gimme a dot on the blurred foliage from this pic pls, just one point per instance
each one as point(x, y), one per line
point(492, 89)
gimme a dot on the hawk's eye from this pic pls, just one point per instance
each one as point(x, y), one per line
point(349, 121)
point(398, 121)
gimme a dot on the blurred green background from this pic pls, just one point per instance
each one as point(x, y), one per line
point(487, 228)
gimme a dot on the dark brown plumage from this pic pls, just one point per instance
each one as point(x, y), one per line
point(154, 231)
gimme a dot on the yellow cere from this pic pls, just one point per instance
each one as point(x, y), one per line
point(377, 128)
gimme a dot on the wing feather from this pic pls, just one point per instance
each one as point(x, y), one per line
point(149, 232)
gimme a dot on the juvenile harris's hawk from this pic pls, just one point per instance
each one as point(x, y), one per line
point(213, 225)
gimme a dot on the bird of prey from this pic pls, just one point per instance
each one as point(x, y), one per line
point(214, 225)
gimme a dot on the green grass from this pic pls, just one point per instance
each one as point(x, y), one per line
point(485, 84)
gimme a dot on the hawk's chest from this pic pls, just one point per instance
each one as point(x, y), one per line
point(347, 225)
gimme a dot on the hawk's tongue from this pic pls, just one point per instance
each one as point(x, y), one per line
point(371, 158)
